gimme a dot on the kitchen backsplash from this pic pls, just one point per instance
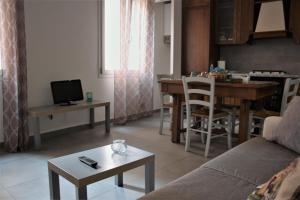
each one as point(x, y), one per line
point(270, 54)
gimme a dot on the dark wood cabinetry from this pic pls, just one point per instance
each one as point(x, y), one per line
point(206, 23)
point(197, 49)
point(294, 20)
point(234, 21)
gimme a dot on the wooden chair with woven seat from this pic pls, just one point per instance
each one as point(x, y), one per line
point(164, 104)
point(290, 90)
point(203, 110)
point(232, 106)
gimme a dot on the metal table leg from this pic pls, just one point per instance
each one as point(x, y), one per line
point(92, 117)
point(149, 177)
point(54, 185)
point(81, 193)
point(119, 180)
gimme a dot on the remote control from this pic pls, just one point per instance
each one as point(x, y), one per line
point(88, 161)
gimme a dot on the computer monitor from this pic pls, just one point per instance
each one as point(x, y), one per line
point(66, 92)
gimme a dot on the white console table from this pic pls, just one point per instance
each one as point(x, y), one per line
point(44, 111)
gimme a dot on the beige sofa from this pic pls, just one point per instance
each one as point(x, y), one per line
point(232, 175)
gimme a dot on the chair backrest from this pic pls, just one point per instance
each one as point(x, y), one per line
point(208, 90)
point(160, 77)
point(290, 90)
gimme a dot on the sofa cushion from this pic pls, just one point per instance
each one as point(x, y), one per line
point(254, 161)
point(290, 187)
point(270, 124)
point(231, 176)
point(283, 185)
point(204, 184)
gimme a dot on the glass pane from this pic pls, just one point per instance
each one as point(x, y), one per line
point(225, 13)
point(112, 34)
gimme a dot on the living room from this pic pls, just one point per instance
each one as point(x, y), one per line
point(150, 99)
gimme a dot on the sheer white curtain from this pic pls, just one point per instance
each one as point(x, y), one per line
point(133, 82)
point(14, 80)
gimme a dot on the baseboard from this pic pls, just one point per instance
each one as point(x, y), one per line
point(72, 129)
point(50, 134)
point(67, 130)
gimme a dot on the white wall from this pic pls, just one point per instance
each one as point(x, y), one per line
point(167, 19)
point(176, 29)
point(161, 51)
point(62, 44)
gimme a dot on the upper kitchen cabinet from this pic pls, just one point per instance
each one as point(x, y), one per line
point(197, 44)
point(234, 21)
point(294, 20)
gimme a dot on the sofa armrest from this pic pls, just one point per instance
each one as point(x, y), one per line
point(269, 125)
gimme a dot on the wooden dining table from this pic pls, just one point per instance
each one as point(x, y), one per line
point(245, 92)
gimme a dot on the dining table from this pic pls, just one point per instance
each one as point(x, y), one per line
point(245, 92)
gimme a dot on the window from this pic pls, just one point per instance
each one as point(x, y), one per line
point(111, 36)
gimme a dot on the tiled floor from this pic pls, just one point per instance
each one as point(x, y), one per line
point(24, 176)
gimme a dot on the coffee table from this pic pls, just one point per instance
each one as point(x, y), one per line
point(109, 164)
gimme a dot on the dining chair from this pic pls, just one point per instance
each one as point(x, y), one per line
point(231, 105)
point(200, 110)
point(290, 90)
point(165, 100)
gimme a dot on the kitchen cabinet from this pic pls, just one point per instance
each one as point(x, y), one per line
point(197, 43)
point(207, 23)
point(294, 20)
point(234, 21)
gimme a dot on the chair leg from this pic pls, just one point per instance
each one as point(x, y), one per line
point(202, 138)
point(207, 146)
point(183, 137)
point(202, 134)
point(181, 117)
point(182, 120)
point(250, 125)
point(187, 140)
point(229, 131)
point(233, 121)
point(161, 120)
point(188, 133)
point(261, 127)
point(205, 123)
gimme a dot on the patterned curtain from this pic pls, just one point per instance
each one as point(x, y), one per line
point(133, 82)
point(14, 81)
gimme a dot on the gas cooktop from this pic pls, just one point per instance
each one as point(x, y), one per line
point(271, 73)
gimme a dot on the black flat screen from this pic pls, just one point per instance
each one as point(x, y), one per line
point(66, 91)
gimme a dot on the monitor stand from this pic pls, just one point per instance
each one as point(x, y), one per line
point(69, 103)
